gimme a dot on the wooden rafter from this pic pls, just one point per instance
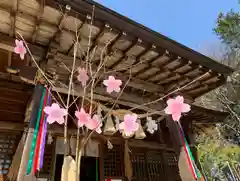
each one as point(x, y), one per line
point(185, 78)
point(151, 65)
point(143, 33)
point(138, 59)
point(107, 46)
point(38, 20)
point(100, 33)
point(60, 24)
point(135, 42)
point(134, 82)
point(86, 19)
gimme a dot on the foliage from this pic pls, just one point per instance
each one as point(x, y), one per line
point(215, 152)
point(228, 28)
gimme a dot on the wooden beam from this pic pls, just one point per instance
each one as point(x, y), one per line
point(8, 43)
point(14, 10)
point(6, 125)
point(58, 130)
point(126, 99)
point(9, 58)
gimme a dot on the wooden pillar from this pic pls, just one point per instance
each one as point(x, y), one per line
point(184, 170)
point(26, 151)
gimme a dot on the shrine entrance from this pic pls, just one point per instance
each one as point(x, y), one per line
point(89, 168)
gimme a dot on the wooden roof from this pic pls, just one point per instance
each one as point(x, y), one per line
point(157, 64)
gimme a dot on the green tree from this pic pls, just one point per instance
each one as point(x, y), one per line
point(228, 28)
point(223, 146)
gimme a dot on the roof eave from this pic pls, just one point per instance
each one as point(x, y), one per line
point(125, 24)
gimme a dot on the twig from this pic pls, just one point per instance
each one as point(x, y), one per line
point(68, 100)
point(97, 71)
point(39, 68)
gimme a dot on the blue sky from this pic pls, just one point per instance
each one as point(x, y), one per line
point(189, 22)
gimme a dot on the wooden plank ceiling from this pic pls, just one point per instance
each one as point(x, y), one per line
point(156, 64)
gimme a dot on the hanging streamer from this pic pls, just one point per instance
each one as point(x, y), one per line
point(30, 161)
point(189, 155)
point(39, 137)
point(43, 142)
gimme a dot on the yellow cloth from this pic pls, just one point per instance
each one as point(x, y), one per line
point(68, 169)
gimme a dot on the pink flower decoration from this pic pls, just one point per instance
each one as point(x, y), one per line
point(20, 48)
point(95, 123)
point(129, 125)
point(55, 113)
point(112, 84)
point(82, 76)
point(83, 117)
point(176, 107)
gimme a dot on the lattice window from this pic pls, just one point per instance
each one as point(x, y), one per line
point(8, 145)
point(155, 166)
point(147, 165)
point(139, 166)
point(114, 162)
point(171, 162)
point(47, 162)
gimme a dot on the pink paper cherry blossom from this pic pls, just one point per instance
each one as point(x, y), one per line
point(20, 48)
point(82, 76)
point(95, 123)
point(129, 125)
point(176, 107)
point(55, 113)
point(112, 84)
point(83, 117)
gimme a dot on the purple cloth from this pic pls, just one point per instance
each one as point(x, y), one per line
point(44, 135)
